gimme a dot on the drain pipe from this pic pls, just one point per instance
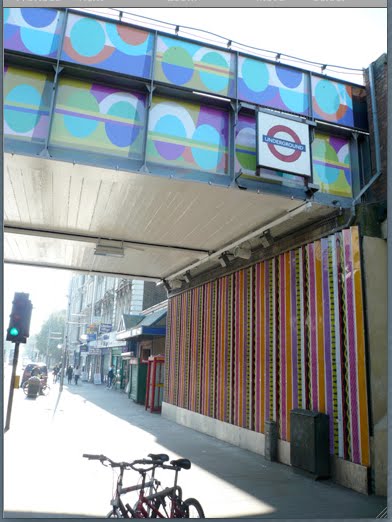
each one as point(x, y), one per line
point(255, 233)
point(376, 137)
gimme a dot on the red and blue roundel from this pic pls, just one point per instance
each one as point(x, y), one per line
point(283, 144)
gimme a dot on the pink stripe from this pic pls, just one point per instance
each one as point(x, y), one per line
point(351, 347)
point(267, 339)
point(313, 333)
point(294, 326)
point(283, 369)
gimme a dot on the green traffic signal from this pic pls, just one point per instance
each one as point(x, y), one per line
point(14, 332)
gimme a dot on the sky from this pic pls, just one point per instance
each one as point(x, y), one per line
point(47, 289)
point(349, 37)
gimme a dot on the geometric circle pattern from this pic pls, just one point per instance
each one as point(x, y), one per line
point(273, 85)
point(188, 135)
point(109, 46)
point(94, 117)
point(194, 66)
point(33, 31)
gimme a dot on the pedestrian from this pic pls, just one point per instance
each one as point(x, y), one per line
point(69, 374)
point(55, 373)
point(110, 376)
point(76, 374)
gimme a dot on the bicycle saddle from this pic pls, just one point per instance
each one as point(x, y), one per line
point(181, 463)
point(159, 456)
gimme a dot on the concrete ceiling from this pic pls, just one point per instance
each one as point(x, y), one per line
point(56, 212)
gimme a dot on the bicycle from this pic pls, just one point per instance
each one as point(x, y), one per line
point(149, 506)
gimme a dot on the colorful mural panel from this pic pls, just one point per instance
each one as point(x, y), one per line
point(188, 135)
point(110, 46)
point(285, 333)
point(27, 97)
point(332, 164)
point(194, 66)
point(275, 86)
point(93, 117)
point(332, 101)
point(33, 30)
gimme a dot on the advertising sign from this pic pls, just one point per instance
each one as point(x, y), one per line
point(105, 328)
point(283, 144)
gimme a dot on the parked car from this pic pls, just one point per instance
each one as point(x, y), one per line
point(30, 367)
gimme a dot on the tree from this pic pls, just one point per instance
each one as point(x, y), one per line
point(50, 336)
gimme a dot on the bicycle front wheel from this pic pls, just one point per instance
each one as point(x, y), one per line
point(193, 508)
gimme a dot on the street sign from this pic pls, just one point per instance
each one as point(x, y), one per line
point(105, 328)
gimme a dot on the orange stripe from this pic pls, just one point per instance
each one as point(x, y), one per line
point(320, 328)
point(359, 320)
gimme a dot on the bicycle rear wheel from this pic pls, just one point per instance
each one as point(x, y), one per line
point(194, 509)
point(114, 513)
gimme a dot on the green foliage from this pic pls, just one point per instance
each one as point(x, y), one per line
point(45, 338)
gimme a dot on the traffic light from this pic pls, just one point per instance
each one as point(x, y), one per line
point(19, 326)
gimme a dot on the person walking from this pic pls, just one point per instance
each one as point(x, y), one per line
point(69, 374)
point(110, 377)
point(76, 374)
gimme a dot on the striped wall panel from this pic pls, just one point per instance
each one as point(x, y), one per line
point(285, 333)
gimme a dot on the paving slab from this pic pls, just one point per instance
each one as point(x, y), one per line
point(46, 476)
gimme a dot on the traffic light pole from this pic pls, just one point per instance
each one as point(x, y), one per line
point(12, 386)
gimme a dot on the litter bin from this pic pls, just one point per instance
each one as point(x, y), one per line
point(33, 387)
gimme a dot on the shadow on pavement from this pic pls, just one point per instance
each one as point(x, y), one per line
point(32, 514)
point(271, 482)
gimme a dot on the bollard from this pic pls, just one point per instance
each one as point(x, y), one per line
point(271, 440)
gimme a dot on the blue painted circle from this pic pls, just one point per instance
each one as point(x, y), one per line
point(295, 101)
point(38, 17)
point(170, 126)
point(213, 80)
point(6, 14)
point(327, 97)
point(78, 125)
point(119, 134)
point(289, 78)
point(255, 75)
point(38, 42)
point(87, 37)
point(328, 175)
point(207, 158)
point(21, 121)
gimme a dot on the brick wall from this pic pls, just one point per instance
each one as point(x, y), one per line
point(378, 192)
point(153, 294)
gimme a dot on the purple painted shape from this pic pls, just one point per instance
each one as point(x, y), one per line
point(294, 327)
point(12, 39)
point(327, 341)
point(351, 346)
point(215, 118)
point(41, 129)
point(169, 151)
point(337, 143)
point(313, 322)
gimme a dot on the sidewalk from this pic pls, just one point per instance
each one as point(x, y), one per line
point(228, 481)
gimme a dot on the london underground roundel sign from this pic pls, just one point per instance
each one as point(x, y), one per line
point(283, 144)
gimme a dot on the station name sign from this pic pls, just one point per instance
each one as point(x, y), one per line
point(283, 144)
